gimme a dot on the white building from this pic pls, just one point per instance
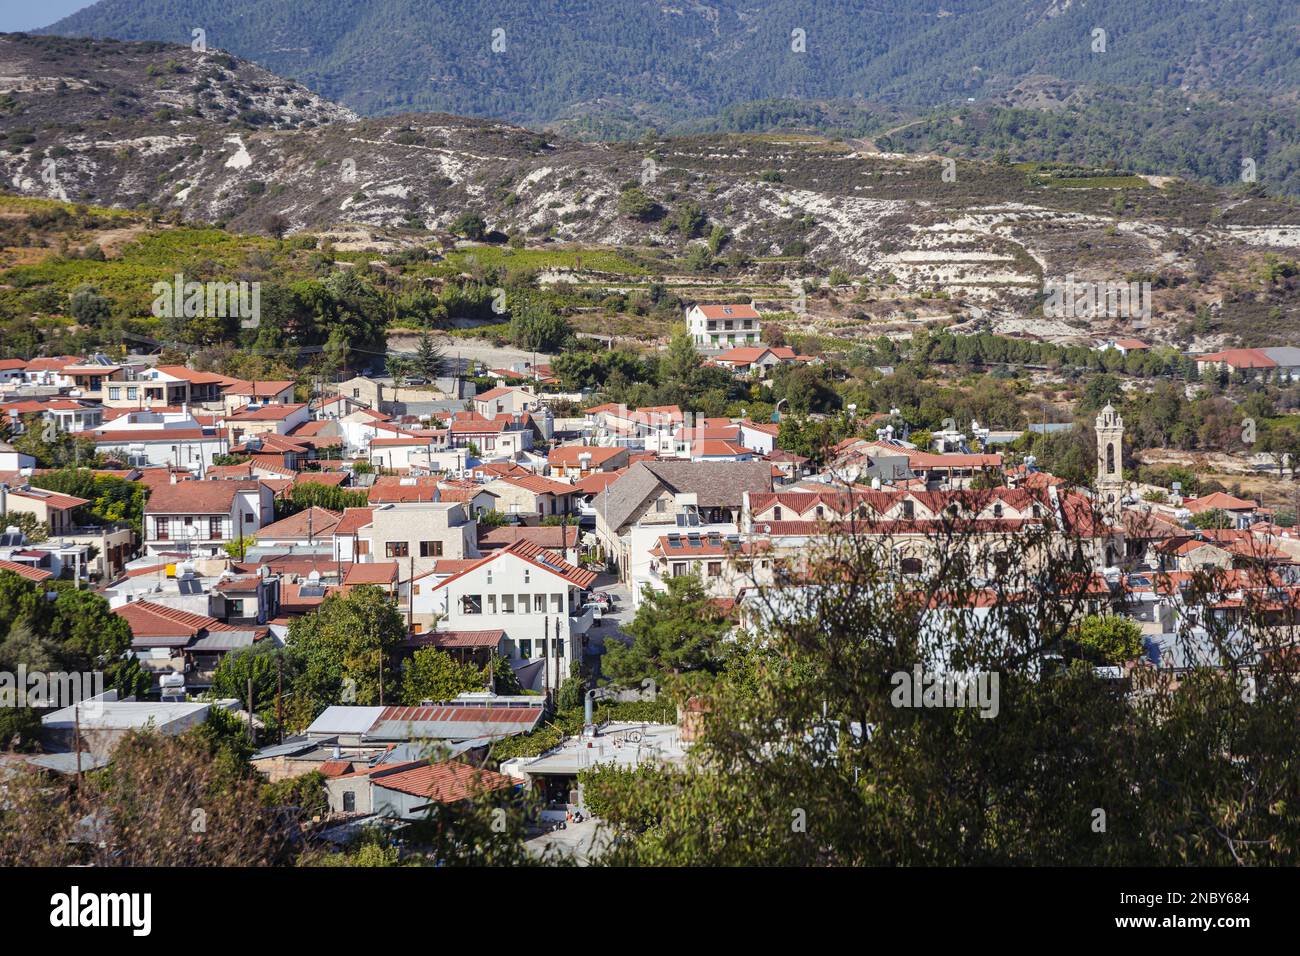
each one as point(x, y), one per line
point(723, 326)
point(533, 596)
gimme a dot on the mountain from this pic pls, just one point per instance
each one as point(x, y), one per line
point(538, 61)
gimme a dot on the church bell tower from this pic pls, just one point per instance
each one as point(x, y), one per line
point(1110, 461)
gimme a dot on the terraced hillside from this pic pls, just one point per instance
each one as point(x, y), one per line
point(205, 138)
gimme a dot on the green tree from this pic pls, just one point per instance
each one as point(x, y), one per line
point(635, 204)
point(1212, 519)
point(344, 652)
point(470, 225)
point(429, 358)
point(675, 631)
point(538, 329)
point(432, 674)
point(1109, 638)
point(254, 663)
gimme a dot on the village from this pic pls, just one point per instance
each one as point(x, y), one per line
point(510, 538)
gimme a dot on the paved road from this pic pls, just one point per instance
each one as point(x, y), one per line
point(611, 626)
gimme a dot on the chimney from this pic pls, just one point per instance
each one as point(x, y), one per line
point(172, 477)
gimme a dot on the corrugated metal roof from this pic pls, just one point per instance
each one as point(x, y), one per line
point(340, 719)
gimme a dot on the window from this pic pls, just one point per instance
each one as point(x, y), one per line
point(539, 603)
point(492, 603)
point(431, 549)
point(526, 574)
point(909, 509)
point(997, 511)
point(349, 802)
point(776, 513)
point(715, 569)
point(910, 565)
point(525, 649)
point(131, 394)
point(214, 529)
point(507, 604)
point(661, 505)
point(471, 604)
point(248, 517)
point(114, 394)
point(557, 603)
point(523, 604)
point(559, 648)
point(417, 627)
point(679, 569)
point(397, 549)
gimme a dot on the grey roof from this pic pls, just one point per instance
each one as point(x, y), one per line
point(1288, 356)
point(66, 762)
point(716, 484)
point(339, 719)
point(214, 641)
point(294, 745)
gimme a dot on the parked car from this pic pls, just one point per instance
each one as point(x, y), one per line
point(597, 611)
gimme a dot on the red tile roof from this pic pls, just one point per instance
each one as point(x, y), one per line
point(25, 571)
point(537, 484)
point(321, 523)
point(729, 311)
point(266, 413)
point(1240, 358)
point(443, 782)
point(196, 497)
point(570, 454)
point(353, 520)
point(444, 640)
point(379, 572)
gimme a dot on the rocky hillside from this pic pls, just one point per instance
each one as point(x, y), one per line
point(208, 138)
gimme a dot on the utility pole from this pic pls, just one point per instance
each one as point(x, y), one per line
point(381, 677)
point(546, 657)
point(250, 710)
point(76, 740)
point(279, 694)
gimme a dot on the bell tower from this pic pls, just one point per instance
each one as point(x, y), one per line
point(1110, 461)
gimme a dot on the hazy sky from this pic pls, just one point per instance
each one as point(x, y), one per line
point(30, 14)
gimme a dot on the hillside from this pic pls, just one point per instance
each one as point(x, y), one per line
point(208, 139)
point(553, 59)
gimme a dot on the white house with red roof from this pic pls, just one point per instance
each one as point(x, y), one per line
point(579, 461)
point(532, 495)
point(505, 400)
point(196, 518)
point(723, 326)
point(532, 595)
point(164, 385)
point(757, 360)
point(1281, 363)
